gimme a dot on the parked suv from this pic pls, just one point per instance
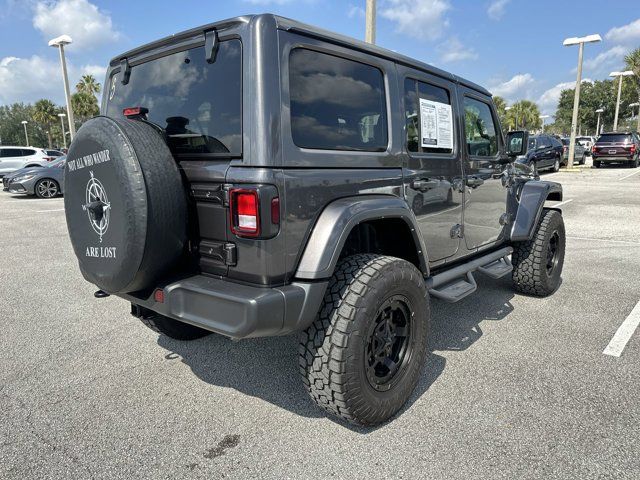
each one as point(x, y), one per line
point(544, 151)
point(14, 158)
point(251, 178)
point(617, 147)
point(579, 152)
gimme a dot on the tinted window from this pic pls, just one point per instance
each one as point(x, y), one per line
point(336, 104)
point(27, 151)
point(532, 143)
point(413, 92)
point(565, 141)
point(11, 152)
point(480, 130)
point(198, 104)
point(615, 138)
point(54, 153)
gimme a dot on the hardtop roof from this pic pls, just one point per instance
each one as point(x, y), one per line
point(287, 24)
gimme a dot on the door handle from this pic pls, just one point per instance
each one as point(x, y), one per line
point(424, 184)
point(474, 182)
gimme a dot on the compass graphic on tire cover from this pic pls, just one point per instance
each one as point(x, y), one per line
point(97, 206)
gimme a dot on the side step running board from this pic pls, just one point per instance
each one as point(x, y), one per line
point(455, 284)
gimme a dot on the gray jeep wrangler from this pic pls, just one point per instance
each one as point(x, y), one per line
point(258, 176)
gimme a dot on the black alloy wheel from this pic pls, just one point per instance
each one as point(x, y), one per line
point(389, 342)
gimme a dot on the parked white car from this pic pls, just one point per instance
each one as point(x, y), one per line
point(587, 143)
point(14, 158)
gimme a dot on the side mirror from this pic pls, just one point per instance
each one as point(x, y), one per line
point(517, 143)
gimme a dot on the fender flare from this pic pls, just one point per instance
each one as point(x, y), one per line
point(532, 197)
point(336, 221)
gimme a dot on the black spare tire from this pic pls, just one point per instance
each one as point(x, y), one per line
point(125, 204)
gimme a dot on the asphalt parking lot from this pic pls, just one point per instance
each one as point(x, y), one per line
point(515, 387)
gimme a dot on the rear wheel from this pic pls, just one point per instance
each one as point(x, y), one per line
point(46, 188)
point(596, 164)
point(583, 159)
point(417, 203)
point(361, 358)
point(173, 328)
point(537, 263)
point(635, 163)
point(556, 165)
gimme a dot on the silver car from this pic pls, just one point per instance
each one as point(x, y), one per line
point(44, 182)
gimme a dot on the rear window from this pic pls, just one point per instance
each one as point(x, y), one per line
point(615, 138)
point(417, 140)
point(565, 141)
point(199, 105)
point(336, 104)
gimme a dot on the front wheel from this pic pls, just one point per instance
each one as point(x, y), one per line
point(46, 188)
point(537, 263)
point(361, 358)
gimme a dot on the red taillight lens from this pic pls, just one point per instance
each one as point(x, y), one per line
point(594, 149)
point(245, 212)
point(632, 149)
point(158, 295)
point(565, 148)
point(275, 211)
point(134, 111)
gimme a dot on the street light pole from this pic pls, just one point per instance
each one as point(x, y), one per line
point(598, 111)
point(26, 135)
point(626, 73)
point(542, 117)
point(60, 42)
point(580, 41)
point(64, 137)
point(370, 19)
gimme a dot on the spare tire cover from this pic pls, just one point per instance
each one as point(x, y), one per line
point(125, 204)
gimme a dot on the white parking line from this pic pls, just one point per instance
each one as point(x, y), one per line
point(563, 203)
point(624, 333)
point(630, 175)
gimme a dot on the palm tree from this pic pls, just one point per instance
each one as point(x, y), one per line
point(632, 59)
point(45, 113)
point(501, 108)
point(85, 105)
point(525, 115)
point(88, 84)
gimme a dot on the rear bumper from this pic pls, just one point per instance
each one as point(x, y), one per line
point(235, 310)
point(612, 159)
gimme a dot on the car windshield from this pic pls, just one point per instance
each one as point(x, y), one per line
point(565, 141)
point(615, 138)
point(198, 104)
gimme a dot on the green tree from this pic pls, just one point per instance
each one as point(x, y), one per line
point(501, 108)
point(45, 113)
point(633, 63)
point(85, 106)
point(524, 114)
point(88, 84)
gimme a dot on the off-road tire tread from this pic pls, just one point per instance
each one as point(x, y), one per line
point(529, 260)
point(323, 346)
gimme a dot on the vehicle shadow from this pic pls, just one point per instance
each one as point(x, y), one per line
point(267, 368)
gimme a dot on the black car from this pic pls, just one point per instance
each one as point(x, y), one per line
point(617, 147)
point(545, 151)
point(257, 176)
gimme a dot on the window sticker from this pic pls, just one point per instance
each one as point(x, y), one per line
point(436, 124)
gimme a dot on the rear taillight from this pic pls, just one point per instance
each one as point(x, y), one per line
point(564, 148)
point(133, 112)
point(594, 149)
point(49, 159)
point(245, 212)
point(632, 148)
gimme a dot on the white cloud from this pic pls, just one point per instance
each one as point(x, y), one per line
point(496, 9)
point(517, 88)
point(612, 58)
point(454, 51)
point(423, 19)
point(355, 12)
point(84, 22)
point(29, 79)
point(626, 34)
point(548, 101)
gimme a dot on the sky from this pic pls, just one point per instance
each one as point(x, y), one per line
point(512, 47)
